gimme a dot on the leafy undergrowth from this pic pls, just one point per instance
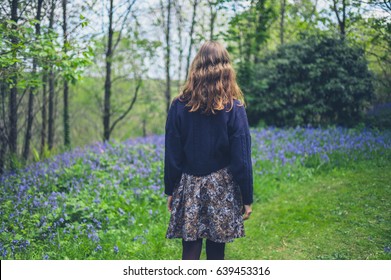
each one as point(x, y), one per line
point(319, 194)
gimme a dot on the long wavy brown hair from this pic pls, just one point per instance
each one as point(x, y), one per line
point(211, 82)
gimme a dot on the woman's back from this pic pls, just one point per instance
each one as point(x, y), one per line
point(200, 144)
point(207, 168)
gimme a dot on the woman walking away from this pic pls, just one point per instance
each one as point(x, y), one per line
point(207, 165)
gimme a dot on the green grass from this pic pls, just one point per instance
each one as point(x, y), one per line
point(106, 200)
point(341, 214)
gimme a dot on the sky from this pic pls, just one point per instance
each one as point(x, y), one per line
point(148, 13)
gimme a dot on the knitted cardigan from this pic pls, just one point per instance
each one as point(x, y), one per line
point(198, 144)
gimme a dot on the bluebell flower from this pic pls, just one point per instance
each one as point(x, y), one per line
point(325, 158)
point(279, 146)
point(93, 236)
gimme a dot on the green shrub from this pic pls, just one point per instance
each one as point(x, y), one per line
point(319, 81)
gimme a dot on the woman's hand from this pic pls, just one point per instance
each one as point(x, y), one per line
point(169, 203)
point(246, 212)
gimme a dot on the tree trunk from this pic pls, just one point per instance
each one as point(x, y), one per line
point(67, 138)
point(109, 54)
point(13, 106)
point(343, 25)
point(51, 110)
point(264, 16)
point(30, 114)
point(30, 117)
point(168, 57)
point(3, 148)
point(44, 120)
point(51, 87)
point(213, 15)
point(193, 22)
point(180, 36)
point(3, 131)
point(282, 19)
point(111, 47)
point(144, 121)
point(340, 18)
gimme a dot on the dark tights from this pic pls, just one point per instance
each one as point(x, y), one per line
point(192, 250)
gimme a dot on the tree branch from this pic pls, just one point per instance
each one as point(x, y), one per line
point(4, 9)
point(387, 3)
point(139, 82)
point(20, 100)
point(336, 11)
point(25, 7)
point(123, 25)
point(118, 78)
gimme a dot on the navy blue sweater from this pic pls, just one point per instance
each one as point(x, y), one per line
point(198, 144)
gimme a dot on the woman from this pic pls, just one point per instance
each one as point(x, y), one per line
point(208, 169)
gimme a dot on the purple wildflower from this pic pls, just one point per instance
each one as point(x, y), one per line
point(4, 253)
point(122, 212)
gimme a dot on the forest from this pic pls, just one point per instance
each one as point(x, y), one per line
point(85, 87)
point(75, 72)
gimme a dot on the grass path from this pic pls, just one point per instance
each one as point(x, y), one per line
point(341, 214)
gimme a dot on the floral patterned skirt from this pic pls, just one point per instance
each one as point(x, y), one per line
point(208, 207)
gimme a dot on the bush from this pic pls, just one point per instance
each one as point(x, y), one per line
point(379, 117)
point(319, 81)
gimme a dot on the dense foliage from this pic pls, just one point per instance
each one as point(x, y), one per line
point(16, 58)
point(379, 117)
point(319, 81)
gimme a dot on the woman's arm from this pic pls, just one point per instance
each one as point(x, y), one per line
point(169, 203)
point(173, 155)
point(247, 212)
point(240, 152)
